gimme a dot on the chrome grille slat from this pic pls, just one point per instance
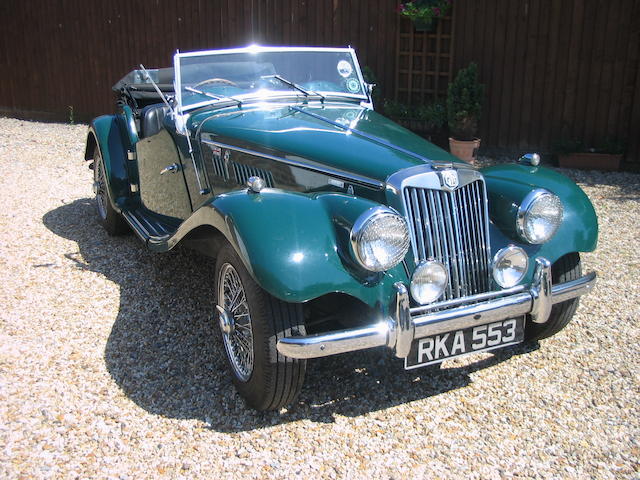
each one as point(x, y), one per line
point(461, 251)
point(481, 254)
point(471, 261)
point(429, 233)
point(422, 217)
point(453, 250)
point(464, 233)
point(475, 231)
point(410, 214)
point(436, 246)
point(444, 256)
point(452, 227)
point(487, 250)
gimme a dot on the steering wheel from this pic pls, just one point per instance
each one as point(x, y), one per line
point(216, 80)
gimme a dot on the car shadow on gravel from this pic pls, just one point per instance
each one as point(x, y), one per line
point(166, 355)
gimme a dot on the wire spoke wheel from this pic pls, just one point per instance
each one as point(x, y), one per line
point(236, 330)
point(251, 322)
point(108, 217)
point(100, 187)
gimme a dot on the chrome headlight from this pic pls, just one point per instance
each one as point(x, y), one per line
point(510, 266)
point(380, 239)
point(428, 282)
point(539, 216)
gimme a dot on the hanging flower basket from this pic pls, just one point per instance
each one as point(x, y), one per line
point(424, 13)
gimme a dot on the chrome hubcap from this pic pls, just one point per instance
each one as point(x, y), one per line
point(227, 324)
point(235, 322)
point(99, 187)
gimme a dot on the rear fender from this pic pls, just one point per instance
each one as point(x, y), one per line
point(296, 246)
point(114, 142)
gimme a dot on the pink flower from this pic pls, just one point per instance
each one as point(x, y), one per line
point(436, 11)
point(401, 7)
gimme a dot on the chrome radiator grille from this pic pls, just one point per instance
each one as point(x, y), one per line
point(451, 227)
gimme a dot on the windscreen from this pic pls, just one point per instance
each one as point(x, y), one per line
point(205, 76)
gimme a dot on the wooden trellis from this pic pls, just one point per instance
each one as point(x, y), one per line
point(425, 62)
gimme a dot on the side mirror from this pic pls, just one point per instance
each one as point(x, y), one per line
point(532, 159)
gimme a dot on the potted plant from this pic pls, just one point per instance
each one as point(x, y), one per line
point(424, 13)
point(573, 153)
point(464, 106)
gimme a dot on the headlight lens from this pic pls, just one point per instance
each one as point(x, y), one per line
point(380, 239)
point(428, 282)
point(539, 216)
point(510, 266)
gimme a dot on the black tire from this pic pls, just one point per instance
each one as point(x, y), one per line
point(273, 380)
point(111, 220)
point(565, 269)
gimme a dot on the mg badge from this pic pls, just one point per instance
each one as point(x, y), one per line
point(449, 179)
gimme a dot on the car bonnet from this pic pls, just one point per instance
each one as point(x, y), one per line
point(344, 136)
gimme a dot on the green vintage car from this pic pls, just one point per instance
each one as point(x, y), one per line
point(334, 229)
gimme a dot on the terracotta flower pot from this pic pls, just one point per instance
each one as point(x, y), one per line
point(591, 161)
point(464, 150)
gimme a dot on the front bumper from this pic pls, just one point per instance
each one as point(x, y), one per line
point(405, 324)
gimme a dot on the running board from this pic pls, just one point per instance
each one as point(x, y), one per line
point(150, 228)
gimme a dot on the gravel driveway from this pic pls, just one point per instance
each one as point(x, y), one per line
point(110, 366)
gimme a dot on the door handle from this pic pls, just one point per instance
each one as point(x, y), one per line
point(173, 168)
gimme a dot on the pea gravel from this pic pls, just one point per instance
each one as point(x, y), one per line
point(110, 366)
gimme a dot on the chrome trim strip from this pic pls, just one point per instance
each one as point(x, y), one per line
point(396, 333)
point(361, 180)
point(264, 48)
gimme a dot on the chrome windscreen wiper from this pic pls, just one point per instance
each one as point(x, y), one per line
point(211, 95)
point(296, 86)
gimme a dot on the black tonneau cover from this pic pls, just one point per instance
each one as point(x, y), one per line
point(137, 87)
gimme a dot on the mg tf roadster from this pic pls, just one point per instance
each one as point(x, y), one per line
point(334, 229)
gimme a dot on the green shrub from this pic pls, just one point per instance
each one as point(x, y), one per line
point(464, 103)
point(611, 145)
point(395, 109)
point(433, 114)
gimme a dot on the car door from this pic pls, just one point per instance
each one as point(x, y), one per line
point(162, 184)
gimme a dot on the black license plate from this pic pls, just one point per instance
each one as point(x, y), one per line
point(435, 349)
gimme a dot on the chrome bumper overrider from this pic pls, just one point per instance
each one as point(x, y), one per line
point(404, 324)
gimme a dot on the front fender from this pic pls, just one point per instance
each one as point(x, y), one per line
point(295, 245)
point(106, 131)
point(507, 185)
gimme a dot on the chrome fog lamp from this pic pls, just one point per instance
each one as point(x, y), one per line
point(510, 266)
point(380, 239)
point(428, 282)
point(539, 216)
